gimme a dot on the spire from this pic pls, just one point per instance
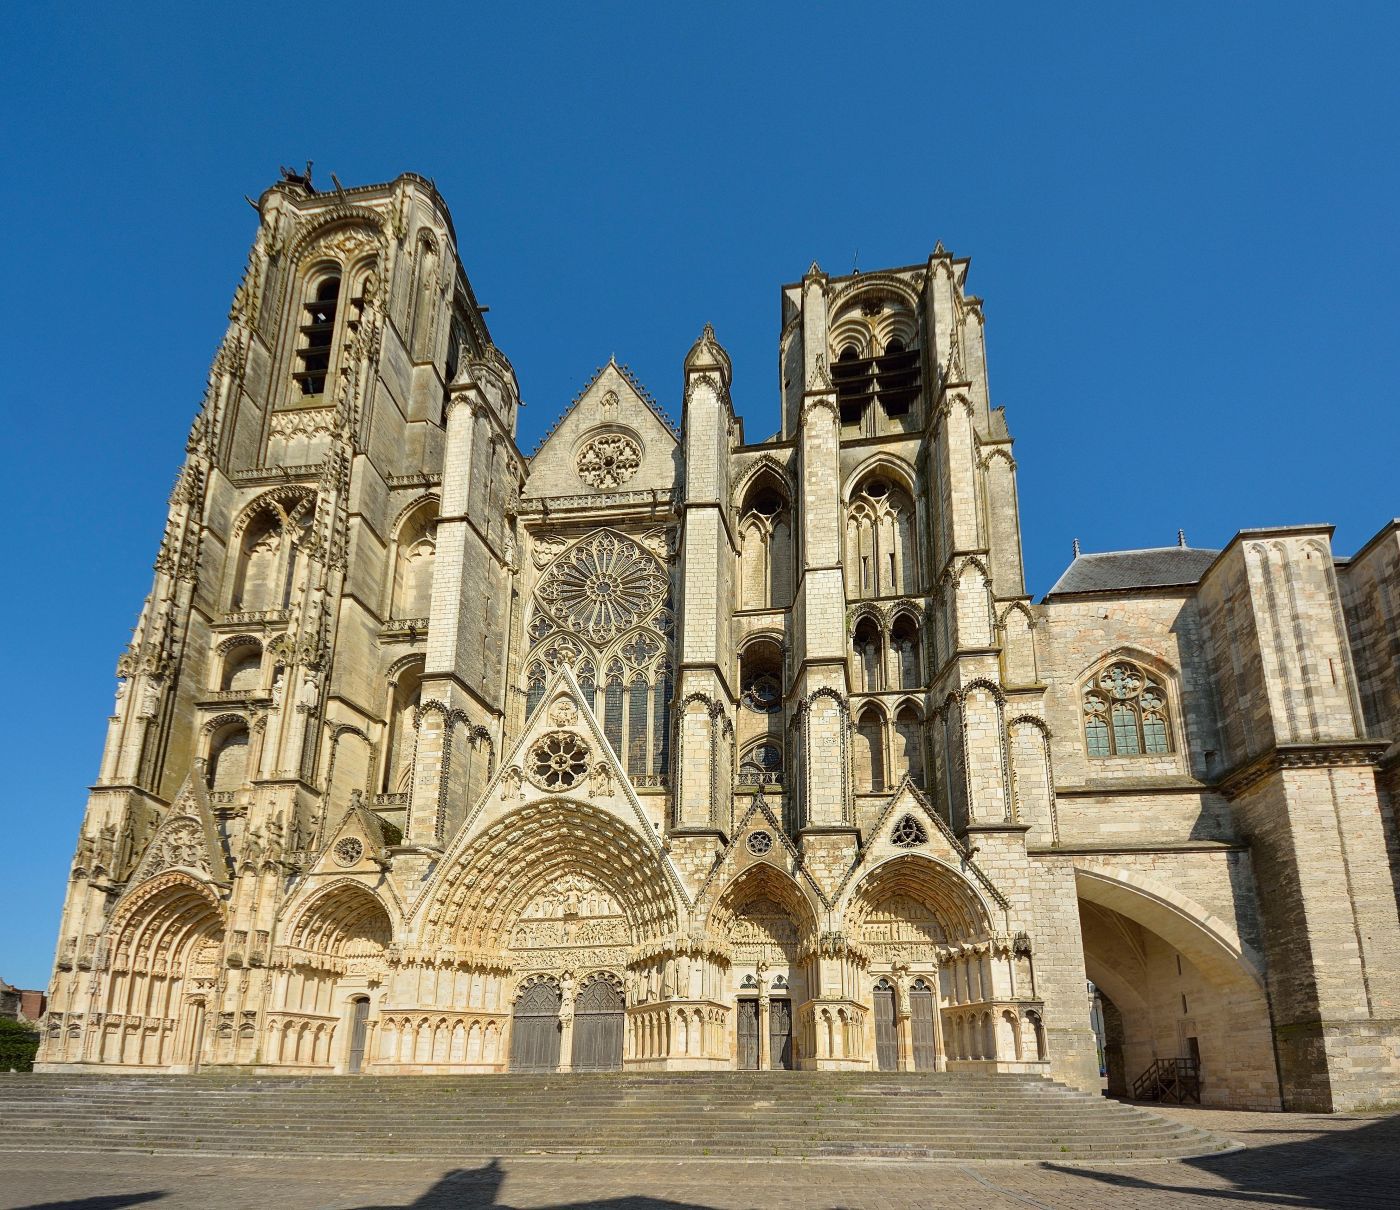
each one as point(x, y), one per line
point(708, 354)
point(1181, 538)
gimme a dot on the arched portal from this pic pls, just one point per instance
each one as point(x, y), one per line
point(926, 931)
point(166, 943)
point(771, 928)
point(321, 1013)
point(1181, 985)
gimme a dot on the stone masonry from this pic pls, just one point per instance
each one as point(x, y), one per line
point(663, 748)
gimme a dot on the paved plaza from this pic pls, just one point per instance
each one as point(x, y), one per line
point(1338, 1162)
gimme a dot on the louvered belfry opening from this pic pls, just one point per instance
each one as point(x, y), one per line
point(892, 379)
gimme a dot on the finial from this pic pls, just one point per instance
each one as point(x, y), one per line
point(1076, 548)
point(1181, 538)
point(939, 249)
point(709, 332)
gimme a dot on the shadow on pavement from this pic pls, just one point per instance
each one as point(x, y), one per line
point(1333, 1170)
point(115, 1201)
point(480, 1187)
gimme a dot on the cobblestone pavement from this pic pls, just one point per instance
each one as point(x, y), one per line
point(1294, 1160)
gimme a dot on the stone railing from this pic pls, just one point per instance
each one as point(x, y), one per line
point(255, 617)
point(396, 628)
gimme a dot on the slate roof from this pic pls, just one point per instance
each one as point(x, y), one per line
point(1124, 570)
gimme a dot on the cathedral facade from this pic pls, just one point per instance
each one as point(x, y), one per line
point(661, 748)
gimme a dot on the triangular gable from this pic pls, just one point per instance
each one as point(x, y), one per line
point(738, 856)
point(941, 842)
point(612, 403)
point(562, 709)
point(356, 845)
point(187, 839)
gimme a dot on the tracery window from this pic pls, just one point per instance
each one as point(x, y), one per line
point(762, 764)
point(880, 548)
point(1125, 712)
point(609, 460)
point(908, 833)
point(602, 607)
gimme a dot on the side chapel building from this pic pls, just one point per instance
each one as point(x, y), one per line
point(666, 749)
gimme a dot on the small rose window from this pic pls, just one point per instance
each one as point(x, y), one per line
point(558, 761)
point(760, 843)
point(609, 460)
point(349, 850)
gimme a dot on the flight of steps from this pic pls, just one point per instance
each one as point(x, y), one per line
point(941, 1116)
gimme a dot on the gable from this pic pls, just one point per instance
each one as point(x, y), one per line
point(612, 440)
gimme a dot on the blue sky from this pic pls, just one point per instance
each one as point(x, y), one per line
point(1183, 219)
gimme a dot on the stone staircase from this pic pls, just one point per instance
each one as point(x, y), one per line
point(937, 1116)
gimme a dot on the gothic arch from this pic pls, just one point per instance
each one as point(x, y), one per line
point(338, 914)
point(1210, 942)
point(764, 466)
point(488, 881)
point(962, 911)
point(880, 463)
point(165, 942)
point(763, 880)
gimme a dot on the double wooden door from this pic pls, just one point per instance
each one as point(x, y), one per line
point(535, 1029)
point(779, 1035)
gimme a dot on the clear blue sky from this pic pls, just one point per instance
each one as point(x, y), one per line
point(1183, 219)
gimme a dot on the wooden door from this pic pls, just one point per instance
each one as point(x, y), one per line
point(196, 1038)
point(748, 1035)
point(535, 1030)
point(598, 1015)
point(921, 1010)
point(886, 1032)
point(359, 1025)
point(780, 1035)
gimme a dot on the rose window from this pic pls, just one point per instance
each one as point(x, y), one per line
point(609, 460)
point(908, 833)
point(759, 843)
point(605, 585)
point(348, 851)
point(558, 761)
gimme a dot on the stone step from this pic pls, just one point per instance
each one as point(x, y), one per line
point(731, 1115)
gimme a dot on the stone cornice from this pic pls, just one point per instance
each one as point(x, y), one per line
point(1328, 755)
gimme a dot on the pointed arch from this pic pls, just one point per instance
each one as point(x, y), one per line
point(478, 897)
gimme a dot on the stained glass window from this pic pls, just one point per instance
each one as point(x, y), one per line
point(612, 712)
point(1125, 713)
point(637, 730)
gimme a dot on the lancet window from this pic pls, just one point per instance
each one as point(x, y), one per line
point(271, 553)
point(603, 608)
point(1125, 712)
point(416, 547)
point(765, 547)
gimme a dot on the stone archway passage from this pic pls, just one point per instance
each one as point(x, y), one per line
point(921, 1010)
point(598, 1027)
point(535, 1030)
point(886, 1031)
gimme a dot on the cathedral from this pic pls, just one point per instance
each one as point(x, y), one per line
point(665, 748)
